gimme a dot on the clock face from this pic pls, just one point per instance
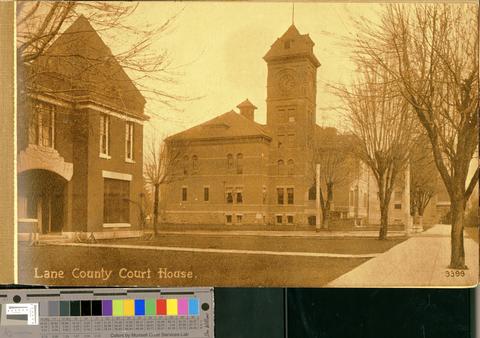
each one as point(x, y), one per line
point(287, 82)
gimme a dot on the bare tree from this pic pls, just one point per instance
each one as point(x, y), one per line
point(39, 25)
point(423, 177)
point(435, 53)
point(330, 153)
point(382, 126)
point(161, 161)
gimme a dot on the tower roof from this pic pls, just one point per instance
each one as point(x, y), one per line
point(292, 44)
point(246, 104)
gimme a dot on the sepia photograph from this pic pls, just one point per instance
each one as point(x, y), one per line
point(279, 144)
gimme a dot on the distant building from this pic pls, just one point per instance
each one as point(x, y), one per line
point(80, 139)
point(237, 171)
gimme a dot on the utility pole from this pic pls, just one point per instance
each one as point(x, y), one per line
point(317, 200)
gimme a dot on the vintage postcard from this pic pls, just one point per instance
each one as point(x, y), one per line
point(247, 144)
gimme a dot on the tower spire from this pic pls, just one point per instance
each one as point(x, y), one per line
point(293, 13)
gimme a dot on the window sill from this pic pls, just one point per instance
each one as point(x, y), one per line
point(116, 225)
point(104, 156)
point(129, 160)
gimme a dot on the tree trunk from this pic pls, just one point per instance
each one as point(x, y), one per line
point(383, 221)
point(328, 205)
point(326, 215)
point(420, 217)
point(457, 210)
point(155, 208)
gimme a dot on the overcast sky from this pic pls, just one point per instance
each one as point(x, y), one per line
point(218, 47)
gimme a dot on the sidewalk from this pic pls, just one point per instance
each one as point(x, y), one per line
point(284, 233)
point(421, 261)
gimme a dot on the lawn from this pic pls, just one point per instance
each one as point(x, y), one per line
point(316, 244)
point(207, 269)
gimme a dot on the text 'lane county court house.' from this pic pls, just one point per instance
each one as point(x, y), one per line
point(80, 138)
point(237, 171)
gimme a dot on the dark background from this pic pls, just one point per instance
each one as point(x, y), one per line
point(344, 313)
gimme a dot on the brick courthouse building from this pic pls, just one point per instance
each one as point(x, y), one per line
point(80, 139)
point(237, 171)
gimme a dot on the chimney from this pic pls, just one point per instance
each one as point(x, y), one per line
point(247, 109)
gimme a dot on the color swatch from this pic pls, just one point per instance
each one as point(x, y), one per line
point(125, 307)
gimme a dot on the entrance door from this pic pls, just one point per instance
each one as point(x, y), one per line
point(56, 209)
point(45, 192)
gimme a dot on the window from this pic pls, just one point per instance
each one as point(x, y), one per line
point(287, 44)
point(279, 219)
point(280, 197)
point(289, 219)
point(282, 115)
point(104, 135)
point(184, 194)
point(229, 195)
point(129, 141)
point(41, 130)
point(206, 194)
point(229, 161)
point(290, 197)
point(281, 140)
point(350, 198)
point(398, 196)
point(239, 164)
point(264, 195)
point(239, 195)
point(291, 167)
point(239, 218)
point(312, 193)
point(185, 165)
point(116, 202)
point(228, 219)
point(398, 206)
point(365, 200)
point(291, 140)
point(280, 167)
point(195, 162)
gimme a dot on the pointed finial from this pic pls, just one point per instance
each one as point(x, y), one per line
point(293, 13)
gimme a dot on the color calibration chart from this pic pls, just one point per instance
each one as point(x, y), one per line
point(107, 312)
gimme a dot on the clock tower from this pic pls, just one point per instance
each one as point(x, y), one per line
point(291, 102)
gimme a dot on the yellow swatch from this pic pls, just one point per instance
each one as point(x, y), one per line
point(128, 307)
point(172, 307)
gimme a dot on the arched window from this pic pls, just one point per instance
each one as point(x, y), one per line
point(195, 162)
point(229, 161)
point(291, 167)
point(281, 166)
point(239, 163)
point(185, 164)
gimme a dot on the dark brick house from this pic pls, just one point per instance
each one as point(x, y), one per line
point(80, 137)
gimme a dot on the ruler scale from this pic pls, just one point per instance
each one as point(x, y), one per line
point(98, 313)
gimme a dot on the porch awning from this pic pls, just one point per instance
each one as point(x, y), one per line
point(36, 157)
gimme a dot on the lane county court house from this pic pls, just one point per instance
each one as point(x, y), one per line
point(237, 171)
point(80, 138)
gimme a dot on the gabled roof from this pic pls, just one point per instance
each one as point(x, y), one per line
point(292, 44)
point(230, 125)
point(79, 63)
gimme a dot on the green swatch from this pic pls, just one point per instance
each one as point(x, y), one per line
point(150, 307)
point(118, 307)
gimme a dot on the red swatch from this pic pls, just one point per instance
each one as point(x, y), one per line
point(161, 307)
